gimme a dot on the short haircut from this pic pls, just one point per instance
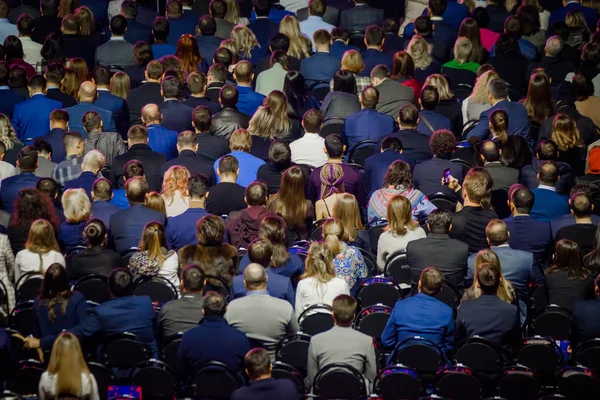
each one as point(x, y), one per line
point(49, 7)
point(432, 281)
point(198, 185)
point(374, 35)
point(439, 221)
point(280, 154)
point(137, 133)
point(523, 200)
point(101, 75)
point(37, 82)
point(72, 139)
point(243, 71)
point(48, 186)
point(196, 82)
point(496, 232)
point(430, 97)
point(408, 115)
point(155, 69)
point(317, 7)
point(258, 363)
point(214, 305)
point(423, 25)
point(498, 89)
point(312, 120)
point(193, 278)
point(27, 159)
point(334, 146)
point(512, 27)
point(390, 25)
point(261, 7)
point(41, 146)
point(228, 95)
point(339, 33)
point(129, 8)
point(547, 150)
point(218, 8)
point(344, 308)
point(256, 193)
point(438, 7)
point(102, 189)
point(581, 205)
point(255, 276)
point(279, 41)
point(59, 115)
point(228, 165)
point(120, 282)
point(223, 56)
point(391, 142)
point(488, 278)
point(381, 72)
point(25, 24)
point(477, 184)
point(174, 9)
point(554, 46)
point(55, 72)
point(321, 37)
point(136, 189)
point(260, 252)
point(490, 151)
point(91, 121)
point(171, 87)
point(202, 119)
point(118, 25)
point(370, 97)
point(94, 160)
point(133, 168)
point(548, 173)
point(240, 140)
point(186, 139)
point(207, 25)
point(218, 72)
point(160, 28)
point(442, 143)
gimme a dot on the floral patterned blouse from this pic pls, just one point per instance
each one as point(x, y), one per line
point(350, 265)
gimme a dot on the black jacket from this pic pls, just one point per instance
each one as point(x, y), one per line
point(95, 260)
point(211, 148)
point(193, 163)
point(227, 121)
point(45, 25)
point(468, 225)
point(54, 93)
point(139, 97)
point(151, 160)
point(555, 67)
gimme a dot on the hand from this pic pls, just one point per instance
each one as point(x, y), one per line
point(452, 183)
point(31, 343)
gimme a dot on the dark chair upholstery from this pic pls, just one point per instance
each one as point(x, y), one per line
point(372, 320)
point(28, 286)
point(398, 269)
point(123, 351)
point(578, 383)
point(361, 151)
point(587, 354)
point(480, 355)
point(449, 295)
point(159, 289)
point(339, 381)
point(332, 126)
point(94, 288)
point(443, 201)
point(551, 321)
point(282, 370)
point(397, 382)
point(540, 355)
point(157, 379)
point(519, 383)
point(215, 380)
point(419, 354)
point(170, 350)
point(293, 351)
point(316, 319)
point(378, 290)
point(458, 383)
point(24, 381)
point(21, 318)
point(104, 378)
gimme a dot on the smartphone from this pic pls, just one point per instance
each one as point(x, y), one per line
point(124, 392)
point(446, 176)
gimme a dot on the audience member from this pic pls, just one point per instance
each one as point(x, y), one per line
point(548, 204)
point(392, 94)
point(426, 174)
point(105, 99)
point(77, 208)
point(93, 163)
point(547, 150)
point(27, 161)
point(70, 168)
point(583, 230)
point(173, 115)
point(87, 96)
point(230, 118)
point(116, 51)
point(196, 82)
point(430, 120)
point(40, 252)
point(585, 325)
point(321, 66)
point(30, 117)
point(376, 166)
point(502, 176)
point(45, 167)
point(210, 148)
point(226, 196)
point(240, 144)
point(414, 144)
point(59, 119)
point(303, 148)
point(175, 190)
point(146, 93)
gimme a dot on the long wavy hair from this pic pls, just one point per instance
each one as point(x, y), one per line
point(346, 209)
point(274, 230)
point(187, 51)
point(32, 205)
point(67, 7)
point(262, 123)
point(538, 101)
point(154, 240)
point(440, 82)
point(399, 216)
point(55, 290)
point(70, 83)
point(290, 201)
point(41, 240)
point(398, 176)
point(277, 102)
point(487, 257)
point(176, 178)
point(299, 45)
point(80, 67)
point(481, 92)
point(319, 263)
point(470, 30)
point(8, 136)
point(332, 180)
point(67, 364)
point(333, 233)
point(87, 25)
point(244, 40)
point(565, 132)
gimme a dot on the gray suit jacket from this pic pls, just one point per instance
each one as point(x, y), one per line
point(342, 345)
point(502, 177)
point(263, 318)
point(224, 28)
point(115, 52)
point(392, 96)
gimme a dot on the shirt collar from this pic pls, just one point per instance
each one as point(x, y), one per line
point(316, 18)
point(103, 89)
point(546, 187)
point(502, 245)
point(117, 38)
point(432, 18)
point(257, 293)
point(4, 88)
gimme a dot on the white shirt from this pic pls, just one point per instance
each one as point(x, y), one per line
point(293, 5)
point(6, 170)
point(311, 292)
point(177, 205)
point(31, 50)
point(169, 270)
point(309, 150)
point(47, 387)
point(389, 243)
point(26, 261)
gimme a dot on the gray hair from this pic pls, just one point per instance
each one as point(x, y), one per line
point(94, 160)
point(554, 45)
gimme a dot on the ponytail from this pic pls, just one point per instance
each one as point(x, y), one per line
point(333, 232)
point(153, 241)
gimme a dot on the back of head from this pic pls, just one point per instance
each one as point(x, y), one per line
point(423, 25)
point(257, 363)
point(317, 7)
point(49, 7)
point(210, 231)
point(442, 143)
point(186, 140)
point(225, 57)
point(548, 173)
point(523, 200)
point(255, 277)
point(488, 279)
point(160, 28)
point(102, 189)
point(334, 146)
point(262, 8)
point(137, 134)
point(380, 72)
point(202, 119)
point(496, 232)
point(4, 9)
point(477, 185)
point(37, 82)
point(218, 8)
point(547, 150)
point(120, 282)
point(198, 185)
point(228, 96)
point(429, 98)
point(344, 81)
point(136, 189)
point(48, 186)
point(174, 9)
point(95, 232)
point(133, 168)
point(391, 143)
point(554, 46)
point(91, 121)
point(25, 24)
point(312, 121)
point(439, 221)
point(101, 76)
point(243, 72)
point(437, 7)
point(193, 278)
point(490, 151)
point(431, 281)
point(260, 251)
point(129, 9)
point(344, 309)
point(512, 27)
point(322, 38)
point(214, 305)
point(118, 25)
point(72, 139)
point(171, 88)
point(498, 89)
point(228, 165)
point(408, 115)
point(27, 159)
point(256, 194)
point(369, 97)
point(207, 25)
point(154, 69)
point(581, 205)
point(240, 140)
point(280, 155)
point(94, 161)
point(374, 36)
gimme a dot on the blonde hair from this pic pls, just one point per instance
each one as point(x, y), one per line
point(278, 103)
point(419, 50)
point(233, 12)
point(240, 140)
point(120, 85)
point(67, 363)
point(94, 160)
point(176, 178)
point(8, 136)
point(262, 123)
point(76, 205)
point(352, 61)
point(481, 91)
point(153, 241)
point(299, 45)
point(440, 82)
point(155, 201)
point(575, 19)
point(565, 132)
point(231, 46)
point(487, 257)
point(41, 239)
point(462, 50)
point(244, 40)
point(333, 233)
point(319, 263)
point(347, 210)
point(399, 216)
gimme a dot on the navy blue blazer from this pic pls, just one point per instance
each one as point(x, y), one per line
point(127, 225)
point(117, 106)
point(269, 388)
point(491, 318)
point(586, 324)
point(176, 116)
point(590, 14)
point(338, 48)
point(377, 165)
point(212, 340)
point(263, 29)
point(540, 244)
point(193, 163)
point(8, 100)
point(366, 124)
point(163, 140)
point(443, 31)
point(436, 120)
point(372, 58)
point(85, 181)
point(77, 112)
point(75, 313)
point(528, 176)
point(427, 176)
point(278, 286)
point(518, 124)
point(103, 210)
point(207, 46)
point(181, 229)
point(70, 235)
point(55, 139)
point(11, 187)
point(152, 161)
point(249, 100)
point(293, 268)
point(194, 102)
point(179, 27)
point(319, 67)
point(31, 118)
point(393, 43)
point(548, 205)
point(414, 145)
point(136, 32)
point(359, 17)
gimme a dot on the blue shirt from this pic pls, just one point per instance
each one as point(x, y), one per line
point(249, 100)
point(7, 29)
point(120, 199)
point(278, 286)
point(309, 26)
point(181, 229)
point(249, 166)
point(162, 140)
point(161, 50)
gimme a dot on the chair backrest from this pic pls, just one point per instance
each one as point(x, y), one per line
point(372, 320)
point(419, 354)
point(357, 39)
point(316, 319)
point(462, 91)
point(4, 296)
point(499, 200)
point(339, 381)
point(587, 354)
point(28, 286)
point(449, 295)
point(94, 288)
point(378, 290)
point(552, 321)
point(397, 382)
point(321, 91)
point(374, 230)
point(215, 380)
point(578, 383)
point(124, 351)
point(332, 126)
point(443, 201)
point(156, 379)
point(361, 151)
point(21, 318)
point(25, 380)
point(519, 383)
point(282, 370)
point(480, 355)
point(159, 289)
point(104, 378)
point(293, 350)
point(540, 355)
point(370, 261)
point(458, 382)
point(397, 268)
point(18, 350)
point(170, 350)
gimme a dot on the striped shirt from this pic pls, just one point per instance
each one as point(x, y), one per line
point(67, 170)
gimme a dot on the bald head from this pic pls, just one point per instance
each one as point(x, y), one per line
point(151, 114)
point(255, 277)
point(136, 189)
point(490, 151)
point(369, 97)
point(554, 46)
point(87, 92)
point(496, 232)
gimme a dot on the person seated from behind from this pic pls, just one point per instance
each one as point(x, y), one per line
point(240, 145)
point(226, 196)
point(547, 151)
point(429, 120)
point(584, 230)
point(586, 325)
point(548, 204)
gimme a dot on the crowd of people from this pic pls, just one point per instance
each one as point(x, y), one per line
point(199, 146)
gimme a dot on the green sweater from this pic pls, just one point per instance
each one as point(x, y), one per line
point(469, 66)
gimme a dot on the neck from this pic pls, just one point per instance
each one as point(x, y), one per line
point(378, 48)
point(86, 100)
point(408, 127)
point(101, 86)
point(199, 95)
point(149, 80)
point(262, 377)
point(153, 123)
point(334, 160)
point(244, 83)
point(187, 291)
point(70, 153)
point(322, 49)
point(197, 203)
point(516, 213)
point(229, 178)
point(469, 203)
point(258, 289)
point(583, 220)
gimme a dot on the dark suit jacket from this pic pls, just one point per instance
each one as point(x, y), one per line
point(360, 17)
point(414, 144)
point(127, 226)
point(45, 25)
point(338, 48)
point(11, 187)
point(83, 47)
point(55, 140)
point(176, 116)
point(529, 173)
point(319, 67)
point(211, 148)
point(502, 177)
point(468, 226)
point(179, 27)
point(85, 181)
point(8, 100)
point(193, 163)
point(224, 28)
point(270, 388)
point(117, 53)
point(377, 165)
point(492, 319)
point(548, 205)
point(94, 260)
point(590, 14)
point(54, 93)
point(119, 109)
point(207, 46)
point(137, 32)
point(139, 97)
point(586, 324)
point(498, 15)
point(263, 29)
point(103, 210)
point(194, 102)
point(438, 250)
point(427, 176)
point(518, 124)
point(331, 16)
point(393, 43)
point(554, 67)
point(372, 58)
point(278, 286)
point(181, 229)
point(152, 164)
point(77, 112)
point(364, 125)
point(392, 96)
point(540, 244)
